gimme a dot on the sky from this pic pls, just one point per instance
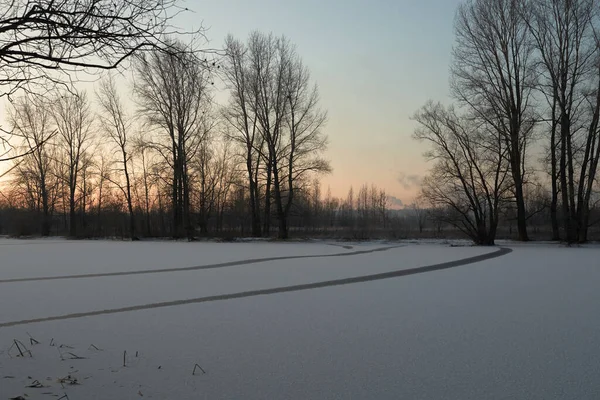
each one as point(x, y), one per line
point(375, 62)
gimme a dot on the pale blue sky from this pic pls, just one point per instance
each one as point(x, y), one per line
point(376, 62)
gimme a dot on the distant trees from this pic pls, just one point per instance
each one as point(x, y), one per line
point(215, 174)
point(420, 213)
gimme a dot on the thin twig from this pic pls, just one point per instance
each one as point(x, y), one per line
point(197, 366)
point(36, 384)
point(22, 348)
point(75, 356)
point(19, 348)
point(32, 341)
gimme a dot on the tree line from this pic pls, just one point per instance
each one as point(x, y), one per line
point(151, 152)
point(524, 126)
point(175, 150)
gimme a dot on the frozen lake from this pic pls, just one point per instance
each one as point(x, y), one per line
point(299, 320)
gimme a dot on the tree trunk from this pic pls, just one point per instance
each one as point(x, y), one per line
point(254, 202)
point(254, 207)
point(187, 217)
point(267, 209)
point(554, 178)
point(564, 188)
point(72, 221)
point(129, 202)
point(583, 225)
point(99, 228)
point(282, 232)
point(147, 200)
point(571, 185)
point(175, 201)
point(517, 175)
point(521, 211)
point(84, 204)
point(45, 209)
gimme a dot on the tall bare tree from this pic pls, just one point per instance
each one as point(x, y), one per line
point(469, 179)
point(73, 118)
point(493, 75)
point(146, 180)
point(174, 97)
point(568, 47)
point(117, 124)
point(241, 115)
point(276, 112)
point(304, 141)
point(31, 120)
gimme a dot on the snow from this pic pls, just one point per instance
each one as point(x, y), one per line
point(523, 325)
point(57, 297)
point(64, 257)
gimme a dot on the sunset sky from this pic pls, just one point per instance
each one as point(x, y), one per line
point(376, 62)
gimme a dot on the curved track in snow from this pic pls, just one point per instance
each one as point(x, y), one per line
point(195, 268)
point(262, 292)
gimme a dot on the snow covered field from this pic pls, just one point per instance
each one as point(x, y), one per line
point(518, 325)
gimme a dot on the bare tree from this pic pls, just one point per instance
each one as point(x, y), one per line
point(241, 115)
point(73, 119)
point(117, 124)
point(275, 110)
point(42, 37)
point(568, 46)
point(104, 172)
point(174, 98)
point(304, 142)
point(214, 173)
point(146, 181)
point(47, 43)
point(493, 75)
point(86, 184)
point(419, 212)
point(32, 122)
point(225, 171)
point(469, 178)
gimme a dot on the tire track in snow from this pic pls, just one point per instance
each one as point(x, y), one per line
point(285, 289)
point(196, 268)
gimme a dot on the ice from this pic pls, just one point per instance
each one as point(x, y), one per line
point(57, 297)
point(521, 326)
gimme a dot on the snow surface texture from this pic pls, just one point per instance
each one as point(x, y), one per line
point(521, 326)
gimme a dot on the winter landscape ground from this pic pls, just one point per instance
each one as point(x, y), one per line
point(306, 320)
